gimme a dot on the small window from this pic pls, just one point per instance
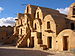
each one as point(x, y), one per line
point(21, 31)
point(17, 31)
point(74, 10)
point(34, 15)
point(37, 14)
point(27, 9)
point(21, 21)
point(48, 25)
point(35, 26)
point(72, 26)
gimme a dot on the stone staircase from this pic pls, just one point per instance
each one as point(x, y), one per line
point(22, 42)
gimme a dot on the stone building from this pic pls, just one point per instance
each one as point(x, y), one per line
point(46, 28)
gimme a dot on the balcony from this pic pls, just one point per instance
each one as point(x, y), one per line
point(49, 31)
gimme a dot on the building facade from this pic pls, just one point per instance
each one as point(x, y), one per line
point(46, 28)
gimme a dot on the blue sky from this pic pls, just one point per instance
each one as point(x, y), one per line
point(10, 8)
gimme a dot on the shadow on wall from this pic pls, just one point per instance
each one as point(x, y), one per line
point(15, 52)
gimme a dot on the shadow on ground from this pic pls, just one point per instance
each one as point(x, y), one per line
point(16, 52)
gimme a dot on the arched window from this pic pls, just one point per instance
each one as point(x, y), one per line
point(72, 26)
point(37, 14)
point(48, 25)
point(73, 10)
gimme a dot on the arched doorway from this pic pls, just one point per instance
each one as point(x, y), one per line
point(65, 40)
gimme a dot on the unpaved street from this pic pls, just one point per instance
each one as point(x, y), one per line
point(13, 51)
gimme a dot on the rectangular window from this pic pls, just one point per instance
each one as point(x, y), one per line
point(37, 14)
point(74, 10)
point(35, 26)
point(72, 26)
point(21, 21)
point(21, 31)
point(34, 15)
point(27, 9)
point(48, 25)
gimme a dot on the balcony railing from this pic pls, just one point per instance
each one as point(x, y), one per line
point(49, 31)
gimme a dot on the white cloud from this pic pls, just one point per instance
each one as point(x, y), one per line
point(9, 21)
point(1, 9)
point(63, 10)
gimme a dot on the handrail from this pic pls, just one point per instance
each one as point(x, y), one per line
point(22, 37)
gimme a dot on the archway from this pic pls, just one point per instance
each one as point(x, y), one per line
point(49, 24)
point(49, 31)
point(39, 14)
point(65, 40)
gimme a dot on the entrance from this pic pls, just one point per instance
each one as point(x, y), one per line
point(28, 42)
point(49, 42)
point(32, 42)
point(65, 43)
point(39, 38)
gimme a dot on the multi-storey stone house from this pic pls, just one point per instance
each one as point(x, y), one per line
point(40, 27)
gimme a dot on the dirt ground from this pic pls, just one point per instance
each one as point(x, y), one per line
point(13, 51)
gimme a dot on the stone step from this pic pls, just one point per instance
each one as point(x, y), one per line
point(41, 46)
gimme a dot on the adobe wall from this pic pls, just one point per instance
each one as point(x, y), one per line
point(70, 38)
point(6, 32)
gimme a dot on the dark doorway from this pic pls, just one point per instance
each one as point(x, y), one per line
point(65, 43)
point(32, 42)
point(72, 26)
point(49, 42)
point(39, 38)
